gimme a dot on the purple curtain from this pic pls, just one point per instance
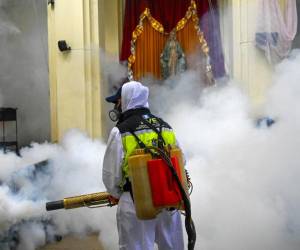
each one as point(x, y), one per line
point(210, 25)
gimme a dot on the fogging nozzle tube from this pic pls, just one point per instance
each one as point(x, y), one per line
point(86, 200)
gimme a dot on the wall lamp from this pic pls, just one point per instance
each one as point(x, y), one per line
point(63, 46)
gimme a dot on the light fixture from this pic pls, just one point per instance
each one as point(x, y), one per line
point(63, 46)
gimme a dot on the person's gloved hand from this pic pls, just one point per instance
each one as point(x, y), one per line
point(113, 201)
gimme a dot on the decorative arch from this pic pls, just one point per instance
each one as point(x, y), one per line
point(149, 37)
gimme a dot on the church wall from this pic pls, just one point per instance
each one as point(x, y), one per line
point(77, 85)
point(71, 79)
point(110, 35)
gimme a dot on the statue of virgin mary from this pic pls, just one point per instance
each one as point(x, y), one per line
point(172, 59)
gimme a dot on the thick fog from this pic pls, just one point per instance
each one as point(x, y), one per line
point(245, 174)
point(24, 66)
point(71, 168)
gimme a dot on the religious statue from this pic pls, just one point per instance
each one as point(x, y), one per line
point(172, 59)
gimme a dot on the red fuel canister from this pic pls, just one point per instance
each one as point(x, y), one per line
point(164, 188)
point(153, 185)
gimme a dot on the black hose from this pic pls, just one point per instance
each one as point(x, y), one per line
point(189, 224)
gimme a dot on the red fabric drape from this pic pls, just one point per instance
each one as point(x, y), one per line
point(167, 12)
point(203, 7)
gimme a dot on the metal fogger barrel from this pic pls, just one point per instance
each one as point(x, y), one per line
point(99, 199)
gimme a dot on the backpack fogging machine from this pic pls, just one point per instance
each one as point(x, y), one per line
point(159, 181)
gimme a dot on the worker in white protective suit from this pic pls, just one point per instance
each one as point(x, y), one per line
point(131, 103)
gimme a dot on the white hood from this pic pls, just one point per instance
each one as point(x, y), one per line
point(134, 95)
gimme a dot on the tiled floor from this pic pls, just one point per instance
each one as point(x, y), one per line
point(72, 243)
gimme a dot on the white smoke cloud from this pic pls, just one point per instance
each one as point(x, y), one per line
point(7, 28)
point(2, 2)
point(112, 70)
point(73, 168)
point(245, 177)
point(32, 235)
point(24, 67)
point(14, 208)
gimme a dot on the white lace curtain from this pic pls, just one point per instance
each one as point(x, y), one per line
point(276, 29)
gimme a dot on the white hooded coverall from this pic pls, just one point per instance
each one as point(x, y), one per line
point(136, 234)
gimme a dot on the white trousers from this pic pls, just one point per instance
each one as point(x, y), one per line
point(136, 234)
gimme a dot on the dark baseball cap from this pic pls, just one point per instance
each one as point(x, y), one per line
point(114, 98)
